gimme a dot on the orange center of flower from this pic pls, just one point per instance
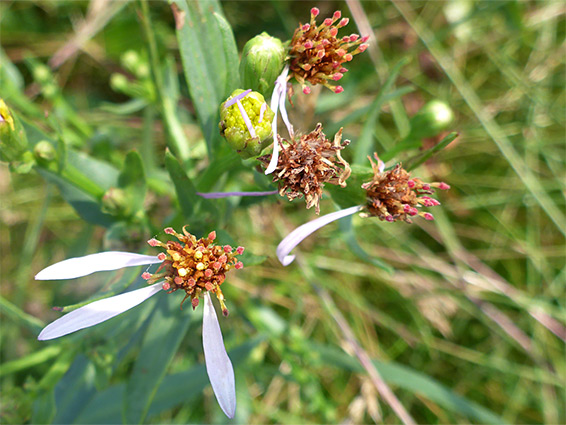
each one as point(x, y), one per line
point(194, 265)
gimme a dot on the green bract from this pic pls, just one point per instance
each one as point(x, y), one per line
point(233, 126)
point(262, 61)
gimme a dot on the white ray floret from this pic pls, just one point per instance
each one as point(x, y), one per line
point(103, 261)
point(278, 102)
point(218, 364)
point(300, 233)
point(97, 312)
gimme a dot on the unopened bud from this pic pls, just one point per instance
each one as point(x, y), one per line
point(246, 123)
point(262, 61)
point(44, 152)
point(115, 202)
point(433, 118)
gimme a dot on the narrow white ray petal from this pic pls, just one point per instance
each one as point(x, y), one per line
point(97, 312)
point(278, 93)
point(230, 102)
point(296, 236)
point(247, 120)
point(82, 266)
point(283, 111)
point(262, 111)
point(218, 364)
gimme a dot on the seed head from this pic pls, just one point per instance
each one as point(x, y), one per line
point(393, 195)
point(305, 164)
point(315, 52)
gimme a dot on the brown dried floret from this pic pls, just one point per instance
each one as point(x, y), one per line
point(194, 265)
point(304, 165)
point(393, 195)
point(316, 54)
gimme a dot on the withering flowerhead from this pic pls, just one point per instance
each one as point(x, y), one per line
point(306, 163)
point(317, 55)
point(393, 195)
point(194, 266)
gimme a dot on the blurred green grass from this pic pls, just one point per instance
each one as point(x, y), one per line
point(460, 330)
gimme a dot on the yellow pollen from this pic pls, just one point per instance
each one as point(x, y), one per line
point(201, 266)
point(182, 272)
point(175, 255)
point(198, 256)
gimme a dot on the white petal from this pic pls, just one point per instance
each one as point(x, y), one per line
point(283, 110)
point(82, 266)
point(218, 364)
point(278, 93)
point(296, 236)
point(97, 312)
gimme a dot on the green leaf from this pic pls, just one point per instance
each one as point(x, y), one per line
point(230, 53)
point(132, 180)
point(206, 51)
point(165, 332)
point(422, 157)
point(30, 360)
point(186, 192)
point(352, 194)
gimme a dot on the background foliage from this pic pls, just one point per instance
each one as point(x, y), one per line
point(463, 317)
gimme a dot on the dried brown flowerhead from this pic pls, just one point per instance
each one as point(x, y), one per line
point(306, 164)
point(316, 54)
point(194, 266)
point(393, 195)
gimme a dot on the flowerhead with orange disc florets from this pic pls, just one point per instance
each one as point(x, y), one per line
point(194, 265)
point(317, 55)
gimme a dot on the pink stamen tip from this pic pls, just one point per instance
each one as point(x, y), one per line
point(428, 203)
point(306, 27)
point(348, 57)
point(153, 242)
point(363, 47)
point(239, 265)
point(443, 186)
point(365, 38)
point(161, 256)
point(324, 42)
point(315, 11)
point(344, 22)
point(178, 280)
point(428, 216)
point(320, 46)
point(335, 65)
point(327, 22)
point(343, 70)
point(426, 186)
point(208, 286)
point(191, 282)
point(57, 308)
point(337, 76)
point(308, 44)
point(227, 249)
point(406, 208)
point(169, 231)
point(390, 219)
point(306, 90)
point(333, 31)
point(225, 312)
point(166, 286)
point(413, 212)
point(146, 276)
point(212, 235)
point(337, 15)
point(216, 265)
point(223, 259)
point(208, 273)
point(194, 302)
point(240, 250)
point(345, 39)
point(307, 67)
point(320, 54)
point(354, 37)
point(411, 184)
point(338, 89)
point(340, 52)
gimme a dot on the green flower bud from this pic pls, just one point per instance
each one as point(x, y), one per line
point(42, 74)
point(119, 82)
point(115, 202)
point(44, 152)
point(433, 118)
point(262, 61)
point(249, 132)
